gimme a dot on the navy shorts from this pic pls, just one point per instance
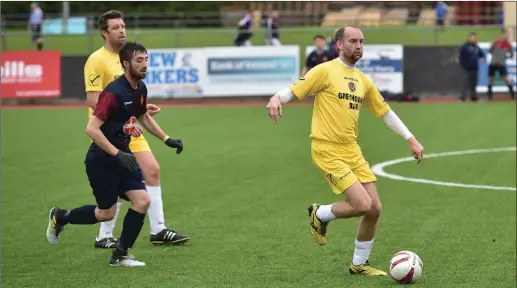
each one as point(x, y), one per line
point(110, 181)
point(497, 68)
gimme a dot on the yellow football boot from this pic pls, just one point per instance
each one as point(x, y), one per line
point(318, 228)
point(365, 269)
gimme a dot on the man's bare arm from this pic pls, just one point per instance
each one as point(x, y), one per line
point(152, 127)
point(92, 98)
point(93, 129)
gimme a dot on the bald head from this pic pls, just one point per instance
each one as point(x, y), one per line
point(349, 40)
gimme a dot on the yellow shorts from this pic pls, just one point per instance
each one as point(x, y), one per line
point(342, 165)
point(139, 144)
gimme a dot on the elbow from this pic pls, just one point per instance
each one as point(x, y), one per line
point(89, 130)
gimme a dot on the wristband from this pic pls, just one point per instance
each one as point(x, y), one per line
point(164, 138)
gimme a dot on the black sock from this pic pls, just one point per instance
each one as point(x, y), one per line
point(133, 223)
point(40, 46)
point(511, 88)
point(80, 215)
point(489, 91)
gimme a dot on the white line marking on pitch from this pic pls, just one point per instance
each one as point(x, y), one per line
point(378, 169)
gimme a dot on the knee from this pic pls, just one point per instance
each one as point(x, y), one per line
point(364, 206)
point(152, 172)
point(142, 203)
point(105, 214)
point(376, 209)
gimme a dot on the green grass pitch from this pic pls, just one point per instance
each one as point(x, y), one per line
point(241, 189)
point(189, 38)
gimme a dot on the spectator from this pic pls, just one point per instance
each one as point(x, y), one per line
point(244, 32)
point(469, 55)
point(35, 21)
point(272, 30)
point(441, 10)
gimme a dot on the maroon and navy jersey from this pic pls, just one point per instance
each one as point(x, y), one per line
point(119, 106)
point(316, 58)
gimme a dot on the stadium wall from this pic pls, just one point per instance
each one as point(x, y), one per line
point(429, 72)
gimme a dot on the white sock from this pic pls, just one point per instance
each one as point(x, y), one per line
point(362, 251)
point(324, 213)
point(107, 227)
point(155, 211)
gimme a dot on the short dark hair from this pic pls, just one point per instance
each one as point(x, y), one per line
point(319, 36)
point(102, 22)
point(340, 33)
point(128, 50)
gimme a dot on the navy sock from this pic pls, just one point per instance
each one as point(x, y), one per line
point(132, 226)
point(81, 215)
point(511, 88)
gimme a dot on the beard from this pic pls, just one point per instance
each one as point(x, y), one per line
point(351, 58)
point(137, 74)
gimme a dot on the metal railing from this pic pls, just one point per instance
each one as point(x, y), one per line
point(190, 38)
point(230, 18)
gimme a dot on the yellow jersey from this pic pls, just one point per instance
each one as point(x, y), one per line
point(101, 68)
point(340, 92)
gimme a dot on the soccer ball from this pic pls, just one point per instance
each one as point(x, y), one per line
point(406, 267)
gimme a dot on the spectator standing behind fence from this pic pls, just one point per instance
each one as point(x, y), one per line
point(500, 50)
point(469, 55)
point(35, 21)
point(441, 10)
point(244, 30)
point(272, 26)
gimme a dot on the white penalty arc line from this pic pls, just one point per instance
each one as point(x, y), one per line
point(378, 169)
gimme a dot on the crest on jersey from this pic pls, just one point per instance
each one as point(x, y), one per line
point(129, 126)
point(351, 86)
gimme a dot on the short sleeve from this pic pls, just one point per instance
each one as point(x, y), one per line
point(143, 101)
point(106, 105)
point(311, 83)
point(93, 75)
point(374, 100)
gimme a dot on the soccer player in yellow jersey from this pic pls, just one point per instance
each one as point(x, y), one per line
point(101, 68)
point(340, 91)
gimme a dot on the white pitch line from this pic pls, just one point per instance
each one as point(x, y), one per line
point(378, 169)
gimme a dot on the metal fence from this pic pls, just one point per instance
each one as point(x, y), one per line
point(188, 38)
point(230, 18)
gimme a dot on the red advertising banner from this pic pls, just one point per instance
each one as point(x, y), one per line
point(30, 74)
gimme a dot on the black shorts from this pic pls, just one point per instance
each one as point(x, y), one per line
point(110, 181)
point(36, 31)
point(492, 68)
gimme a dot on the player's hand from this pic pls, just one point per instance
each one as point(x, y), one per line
point(417, 150)
point(152, 109)
point(127, 160)
point(274, 108)
point(178, 144)
point(138, 131)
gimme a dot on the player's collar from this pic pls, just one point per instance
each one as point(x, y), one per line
point(350, 67)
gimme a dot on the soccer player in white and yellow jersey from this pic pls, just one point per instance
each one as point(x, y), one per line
point(340, 91)
point(101, 68)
